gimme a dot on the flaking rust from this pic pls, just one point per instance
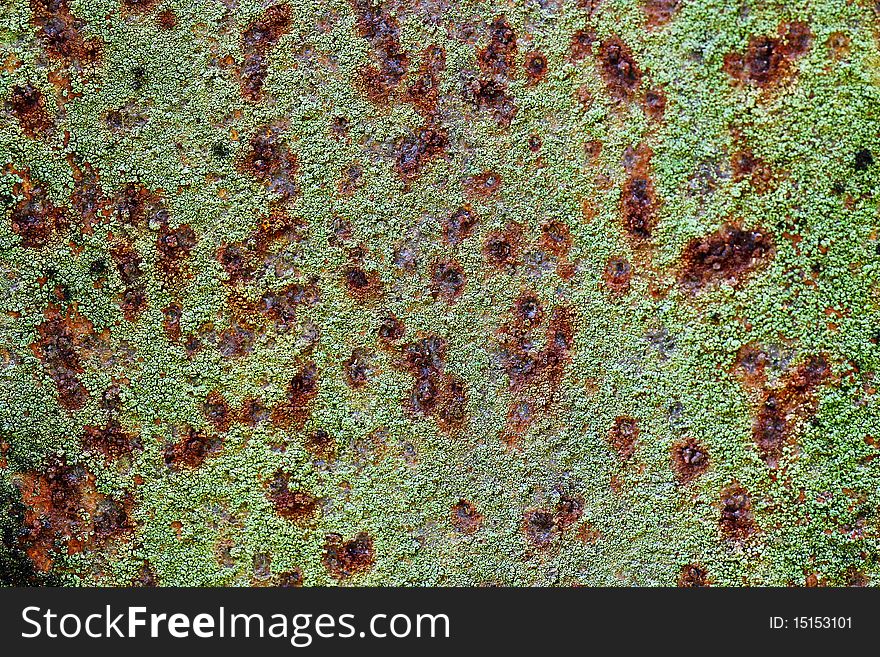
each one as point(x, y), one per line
point(562, 293)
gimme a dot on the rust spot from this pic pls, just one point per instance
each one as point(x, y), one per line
point(133, 302)
point(61, 33)
point(234, 341)
point(381, 29)
point(35, 219)
point(358, 368)
point(499, 56)
point(728, 254)
point(619, 69)
point(145, 577)
point(391, 329)
point(502, 248)
point(289, 579)
point(343, 559)
point(414, 151)
point(746, 166)
point(491, 95)
point(256, 42)
point(693, 576)
point(528, 310)
point(424, 90)
point(459, 225)
point(540, 527)
point(535, 66)
point(217, 412)
point(191, 450)
point(482, 185)
point(87, 197)
point(659, 12)
point(301, 391)
point(29, 107)
point(435, 393)
point(321, 444)
point(59, 339)
point(167, 19)
point(296, 505)
point(137, 206)
point(173, 313)
point(623, 436)
point(689, 460)
point(253, 412)
point(362, 285)
point(617, 275)
point(270, 161)
point(655, 103)
point(556, 237)
point(569, 510)
point(774, 425)
point(173, 246)
point(768, 60)
point(447, 280)
point(465, 517)
point(112, 441)
point(736, 521)
point(638, 199)
point(581, 45)
point(838, 44)
point(535, 142)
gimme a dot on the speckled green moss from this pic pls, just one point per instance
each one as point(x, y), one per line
point(808, 129)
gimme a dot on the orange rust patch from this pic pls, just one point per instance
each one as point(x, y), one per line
point(501, 249)
point(623, 436)
point(35, 219)
point(499, 56)
point(362, 285)
point(381, 29)
point(29, 107)
point(737, 522)
point(619, 69)
point(413, 152)
point(61, 33)
point(617, 275)
point(424, 91)
point(217, 412)
point(482, 185)
point(295, 408)
point(689, 460)
point(659, 12)
point(638, 201)
point(693, 576)
point(192, 449)
point(296, 505)
point(60, 340)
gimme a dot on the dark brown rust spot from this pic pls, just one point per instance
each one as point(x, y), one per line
point(619, 69)
point(728, 254)
point(167, 19)
point(465, 517)
point(217, 411)
point(693, 576)
point(499, 56)
point(623, 436)
point(191, 450)
point(256, 42)
point(358, 368)
point(540, 527)
point(35, 219)
point(61, 33)
point(301, 391)
point(173, 246)
point(655, 103)
point(638, 200)
point(768, 60)
point(746, 166)
point(617, 275)
point(270, 161)
point(491, 95)
point(321, 444)
point(536, 67)
point(112, 441)
point(391, 329)
point(569, 510)
point(60, 338)
point(447, 280)
point(296, 505)
point(736, 521)
point(362, 285)
point(459, 225)
point(343, 559)
point(29, 107)
point(381, 29)
point(502, 248)
point(689, 460)
point(528, 310)
point(556, 237)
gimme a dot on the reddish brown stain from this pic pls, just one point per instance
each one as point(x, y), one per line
point(217, 412)
point(540, 527)
point(659, 12)
point(499, 55)
point(527, 310)
point(619, 69)
point(87, 197)
point(29, 107)
point(390, 329)
point(728, 254)
point(191, 449)
point(173, 246)
point(655, 104)
point(623, 436)
point(344, 559)
point(358, 368)
point(381, 29)
point(556, 237)
point(295, 408)
point(111, 440)
point(459, 225)
point(413, 152)
point(173, 312)
point(61, 33)
point(482, 185)
point(581, 45)
point(617, 275)
point(689, 460)
point(321, 444)
point(693, 576)
point(502, 249)
point(167, 19)
point(35, 219)
point(60, 339)
point(137, 206)
point(362, 285)
point(296, 505)
point(465, 518)
point(256, 42)
point(768, 60)
point(569, 511)
point(737, 521)
point(253, 411)
point(780, 407)
point(746, 166)
point(536, 66)
point(139, 6)
point(242, 260)
point(435, 393)
point(290, 579)
point(270, 161)
point(492, 96)
point(424, 91)
point(638, 202)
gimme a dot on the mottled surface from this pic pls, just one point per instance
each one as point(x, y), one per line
point(432, 292)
